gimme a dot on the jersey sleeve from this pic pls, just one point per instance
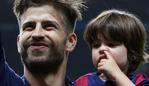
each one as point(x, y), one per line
point(142, 80)
point(8, 77)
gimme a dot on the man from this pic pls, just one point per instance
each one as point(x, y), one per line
point(46, 37)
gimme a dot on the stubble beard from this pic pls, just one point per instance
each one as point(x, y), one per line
point(51, 65)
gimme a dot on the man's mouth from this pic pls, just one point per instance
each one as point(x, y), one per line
point(38, 46)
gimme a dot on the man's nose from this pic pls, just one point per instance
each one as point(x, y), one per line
point(38, 33)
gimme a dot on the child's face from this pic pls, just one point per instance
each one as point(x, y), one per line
point(116, 51)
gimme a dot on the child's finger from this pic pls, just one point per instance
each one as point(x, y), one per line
point(102, 56)
point(108, 54)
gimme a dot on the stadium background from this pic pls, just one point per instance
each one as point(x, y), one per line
point(80, 59)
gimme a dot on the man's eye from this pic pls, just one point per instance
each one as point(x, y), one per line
point(49, 27)
point(29, 26)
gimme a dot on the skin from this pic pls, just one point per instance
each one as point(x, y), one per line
point(42, 31)
point(110, 59)
point(51, 34)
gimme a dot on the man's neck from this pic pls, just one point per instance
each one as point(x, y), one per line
point(57, 79)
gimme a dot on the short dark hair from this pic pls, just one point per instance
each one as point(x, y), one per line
point(70, 8)
point(122, 27)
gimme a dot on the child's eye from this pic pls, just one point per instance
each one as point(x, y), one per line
point(111, 44)
point(96, 45)
point(114, 44)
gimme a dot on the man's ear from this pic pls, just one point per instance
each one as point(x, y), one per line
point(18, 38)
point(71, 42)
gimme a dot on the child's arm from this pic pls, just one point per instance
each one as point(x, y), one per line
point(122, 80)
point(112, 71)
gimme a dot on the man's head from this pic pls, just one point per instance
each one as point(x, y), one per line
point(46, 33)
point(71, 9)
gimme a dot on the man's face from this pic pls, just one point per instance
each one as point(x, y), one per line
point(42, 39)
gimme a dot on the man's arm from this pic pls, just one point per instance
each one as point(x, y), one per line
point(2, 61)
point(7, 76)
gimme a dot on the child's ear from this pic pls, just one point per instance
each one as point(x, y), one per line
point(71, 42)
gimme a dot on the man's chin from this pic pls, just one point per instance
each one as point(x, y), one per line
point(43, 62)
point(40, 66)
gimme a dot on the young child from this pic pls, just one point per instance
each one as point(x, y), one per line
point(116, 39)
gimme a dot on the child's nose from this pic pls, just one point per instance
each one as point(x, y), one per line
point(103, 48)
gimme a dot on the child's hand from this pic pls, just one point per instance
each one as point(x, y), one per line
point(108, 66)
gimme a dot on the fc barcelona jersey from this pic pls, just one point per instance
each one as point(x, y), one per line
point(92, 79)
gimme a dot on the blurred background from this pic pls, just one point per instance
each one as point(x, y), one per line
point(80, 61)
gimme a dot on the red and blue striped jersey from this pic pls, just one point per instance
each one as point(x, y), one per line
point(92, 79)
